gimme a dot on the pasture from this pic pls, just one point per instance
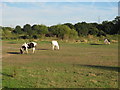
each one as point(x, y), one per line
point(75, 65)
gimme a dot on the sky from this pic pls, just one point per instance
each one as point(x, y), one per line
point(53, 13)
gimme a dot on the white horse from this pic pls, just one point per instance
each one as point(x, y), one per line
point(55, 45)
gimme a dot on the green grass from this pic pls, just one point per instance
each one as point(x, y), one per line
point(75, 65)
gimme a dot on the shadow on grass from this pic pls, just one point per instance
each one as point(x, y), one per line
point(42, 49)
point(4, 88)
point(117, 69)
point(13, 52)
point(96, 44)
point(6, 75)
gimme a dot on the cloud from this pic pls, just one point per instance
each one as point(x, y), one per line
point(54, 13)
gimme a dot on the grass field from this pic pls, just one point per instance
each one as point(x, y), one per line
point(75, 65)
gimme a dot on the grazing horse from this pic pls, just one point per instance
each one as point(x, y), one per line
point(55, 45)
point(26, 46)
point(106, 41)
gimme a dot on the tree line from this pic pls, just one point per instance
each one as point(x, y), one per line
point(62, 31)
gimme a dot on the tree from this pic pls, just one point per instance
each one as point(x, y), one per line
point(42, 30)
point(116, 23)
point(63, 31)
point(8, 28)
point(6, 34)
point(108, 27)
point(82, 28)
point(73, 34)
point(71, 26)
point(35, 28)
point(18, 30)
point(101, 33)
point(28, 30)
point(93, 31)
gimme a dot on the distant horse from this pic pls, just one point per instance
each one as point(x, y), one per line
point(55, 45)
point(106, 41)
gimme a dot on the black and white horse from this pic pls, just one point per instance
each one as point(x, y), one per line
point(26, 46)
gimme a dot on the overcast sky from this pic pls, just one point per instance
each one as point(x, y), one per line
point(52, 13)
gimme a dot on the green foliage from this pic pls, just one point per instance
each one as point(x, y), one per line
point(71, 26)
point(116, 22)
point(63, 31)
point(93, 31)
point(7, 34)
point(28, 30)
point(7, 28)
point(107, 27)
point(82, 28)
point(39, 31)
point(101, 33)
point(35, 28)
point(42, 30)
point(73, 34)
point(18, 30)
